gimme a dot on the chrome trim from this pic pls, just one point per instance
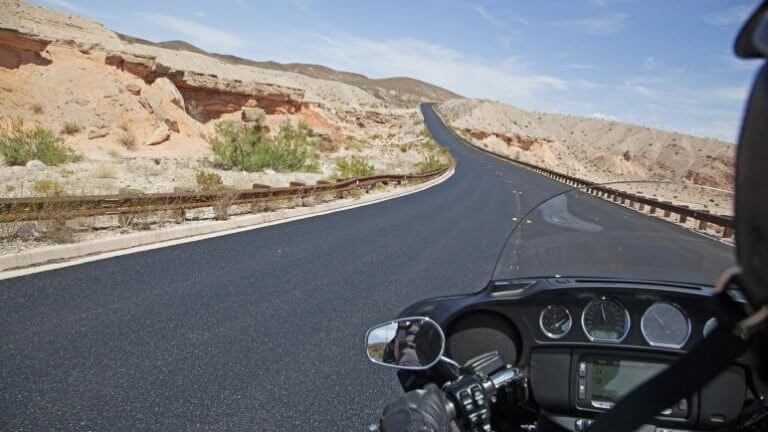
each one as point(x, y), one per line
point(665, 345)
point(552, 335)
point(437, 359)
point(626, 317)
point(713, 322)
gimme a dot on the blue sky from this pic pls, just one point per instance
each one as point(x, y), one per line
point(660, 63)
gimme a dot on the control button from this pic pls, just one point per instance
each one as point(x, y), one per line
point(582, 390)
point(583, 424)
point(667, 412)
point(477, 394)
point(582, 369)
point(683, 406)
point(602, 404)
point(466, 400)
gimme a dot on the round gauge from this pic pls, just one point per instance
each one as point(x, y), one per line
point(665, 325)
point(605, 320)
point(709, 326)
point(555, 321)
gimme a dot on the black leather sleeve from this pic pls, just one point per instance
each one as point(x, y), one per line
point(417, 411)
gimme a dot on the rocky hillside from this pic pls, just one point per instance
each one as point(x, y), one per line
point(599, 150)
point(142, 115)
point(399, 90)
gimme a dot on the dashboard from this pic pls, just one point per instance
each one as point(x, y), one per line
point(588, 342)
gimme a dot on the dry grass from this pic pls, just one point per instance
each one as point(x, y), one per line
point(106, 171)
point(46, 187)
point(225, 196)
point(70, 128)
point(37, 108)
point(128, 140)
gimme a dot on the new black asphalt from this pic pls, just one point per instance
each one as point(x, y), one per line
point(260, 330)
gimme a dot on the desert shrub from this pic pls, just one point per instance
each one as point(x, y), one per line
point(249, 149)
point(425, 133)
point(106, 171)
point(19, 145)
point(46, 187)
point(354, 144)
point(354, 167)
point(128, 140)
point(432, 162)
point(70, 128)
point(37, 108)
point(208, 180)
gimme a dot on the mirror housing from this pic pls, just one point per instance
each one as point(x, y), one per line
point(414, 343)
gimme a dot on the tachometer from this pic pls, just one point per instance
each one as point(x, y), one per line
point(605, 320)
point(555, 321)
point(665, 325)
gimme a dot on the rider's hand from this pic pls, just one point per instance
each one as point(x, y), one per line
point(418, 410)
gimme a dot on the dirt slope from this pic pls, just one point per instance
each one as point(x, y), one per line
point(598, 150)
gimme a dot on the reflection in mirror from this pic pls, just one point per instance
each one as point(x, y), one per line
point(408, 343)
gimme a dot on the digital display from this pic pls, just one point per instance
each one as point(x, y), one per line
point(613, 379)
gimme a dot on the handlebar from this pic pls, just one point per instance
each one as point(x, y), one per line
point(475, 391)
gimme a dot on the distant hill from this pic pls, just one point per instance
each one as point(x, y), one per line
point(398, 90)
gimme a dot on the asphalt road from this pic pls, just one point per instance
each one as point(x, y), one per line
point(260, 330)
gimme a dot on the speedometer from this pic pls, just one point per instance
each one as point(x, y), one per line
point(605, 320)
point(665, 325)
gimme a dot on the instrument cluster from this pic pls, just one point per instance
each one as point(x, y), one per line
point(605, 319)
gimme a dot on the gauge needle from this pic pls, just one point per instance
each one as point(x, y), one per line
point(658, 319)
point(561, 322)
point(602, 308)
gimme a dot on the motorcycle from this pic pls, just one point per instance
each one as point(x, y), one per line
point(603, 314)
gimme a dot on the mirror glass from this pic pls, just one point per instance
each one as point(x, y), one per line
point(406, 343)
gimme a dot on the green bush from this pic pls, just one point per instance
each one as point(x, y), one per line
point(19, 145)
point(208, 180)
point(431, 163)
point(249, 149)
point(354, 167)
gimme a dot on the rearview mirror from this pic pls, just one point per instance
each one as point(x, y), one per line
point(415, 343)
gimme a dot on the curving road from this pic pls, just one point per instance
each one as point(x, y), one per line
point(260, 330)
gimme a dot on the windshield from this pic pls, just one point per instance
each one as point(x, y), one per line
point(627, 230)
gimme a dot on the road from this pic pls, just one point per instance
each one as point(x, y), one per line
point(260, 330)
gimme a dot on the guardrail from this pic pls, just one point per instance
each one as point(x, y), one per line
point(704, 218)
point(68, 207)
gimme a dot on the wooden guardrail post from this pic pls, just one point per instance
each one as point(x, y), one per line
point(683, 217)
point(702, 223)
point(667, 213)
point(727, 232)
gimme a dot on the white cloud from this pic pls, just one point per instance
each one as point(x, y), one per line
point(602, 116)
point(206, 37)
point(510, 79)
point(200, 14)
point(487, 16)
point(581, 66)
point(729, 16)
point(64, 5)
point(604, 25)
point(588, 84)
point(730, 94)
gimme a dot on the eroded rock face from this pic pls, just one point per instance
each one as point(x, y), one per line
point(211, 95)
point(253, 115)
point(160, 135)
point(169, 89)
point(98, 132)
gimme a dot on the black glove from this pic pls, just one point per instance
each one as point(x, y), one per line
point(417, 411)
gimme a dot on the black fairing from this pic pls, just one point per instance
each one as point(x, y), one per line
point(752, 168)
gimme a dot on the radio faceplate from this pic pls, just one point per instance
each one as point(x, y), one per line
point(602, 380)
